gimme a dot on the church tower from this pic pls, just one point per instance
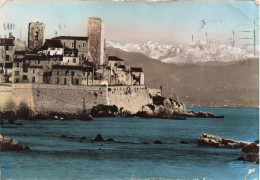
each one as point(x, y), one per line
point(96, 40)
point(35, 35)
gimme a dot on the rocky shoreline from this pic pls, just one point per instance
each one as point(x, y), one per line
point(9, 144)
point(251, 149)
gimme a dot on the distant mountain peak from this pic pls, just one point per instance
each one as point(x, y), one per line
point(198, 52)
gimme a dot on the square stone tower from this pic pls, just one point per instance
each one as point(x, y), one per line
point(35, 35)
point(96, 40)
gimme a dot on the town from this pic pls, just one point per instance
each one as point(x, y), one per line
point(67, 60)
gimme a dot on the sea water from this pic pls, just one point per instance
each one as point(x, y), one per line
point(134, 155)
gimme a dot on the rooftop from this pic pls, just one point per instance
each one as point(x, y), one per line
point(136, 69)
point(114, 58)
point(83, 38)
point(6, 42)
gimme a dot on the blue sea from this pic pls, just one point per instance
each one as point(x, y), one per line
point(52, 157)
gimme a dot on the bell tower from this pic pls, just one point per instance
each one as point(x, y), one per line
point(35, 35)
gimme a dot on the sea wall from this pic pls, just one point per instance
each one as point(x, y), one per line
point(59, 98)
point(46, 98)
point(131, 98)
point(5, 94)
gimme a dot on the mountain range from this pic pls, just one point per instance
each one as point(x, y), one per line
point(198, 52)
point(222, 83)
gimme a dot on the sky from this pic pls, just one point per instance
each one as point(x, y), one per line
point(171, 22)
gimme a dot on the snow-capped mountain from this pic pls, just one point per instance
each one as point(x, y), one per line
point(193, 53)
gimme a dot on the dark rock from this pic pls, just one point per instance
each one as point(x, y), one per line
point(251, 149)
point(83, 138)
point(9, 144)
point(157, 142)
point(110, 140)
point(63, 136)
point(98, 138)
point(241, 158)
point(256, 141)
point(71, 137)
point(80, 141)
point(184, 142)
point(86, 117)
point(145, 143)
point(143, 114)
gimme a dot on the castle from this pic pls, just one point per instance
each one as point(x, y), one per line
point(65, 60)
point(58, 74)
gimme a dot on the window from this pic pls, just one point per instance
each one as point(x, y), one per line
point(79, 46)
point(33, 71)
point(64, 44)
point(36, 35)
point(57, 80)
point(66, 73)
point(74, 60)
point(83, 45)
point(6, 48)
point(33, 79)
point(16, 73)
point(17, 64)
point(58, 73)
point(25, 77)
point(72, 73)
point(65, 81)
point(7, 57)
point(72, 44)
point(25, 70)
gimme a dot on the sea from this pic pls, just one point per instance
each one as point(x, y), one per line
point(133, 155)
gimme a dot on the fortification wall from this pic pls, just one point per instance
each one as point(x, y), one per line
point(132, 98)
point(5, 94)
point(59, 98)
point(45, 98)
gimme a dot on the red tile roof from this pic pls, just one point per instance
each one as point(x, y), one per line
point(19, 52)
point(6, 42)
point(114, 58)
point(51, 43)
point(136, 69)
point(82, 38)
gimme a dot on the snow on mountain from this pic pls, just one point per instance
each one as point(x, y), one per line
point(192, 53)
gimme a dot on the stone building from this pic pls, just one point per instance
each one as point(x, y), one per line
point(96, 40)
point(138, 76)
point(51, 47)
point(35, 35)
point(7, 48)
point(75, 43)
point(71, 75)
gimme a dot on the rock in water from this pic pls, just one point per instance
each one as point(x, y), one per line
point(99, 138)
point(184, 142)
point(251, 149)
point(157, 142)
point(9, 144)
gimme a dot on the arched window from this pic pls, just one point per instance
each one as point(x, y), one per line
point(36, 35)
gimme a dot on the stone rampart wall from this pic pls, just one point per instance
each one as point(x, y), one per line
point(132, 98)
point(74, 99)
point(5, 94)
